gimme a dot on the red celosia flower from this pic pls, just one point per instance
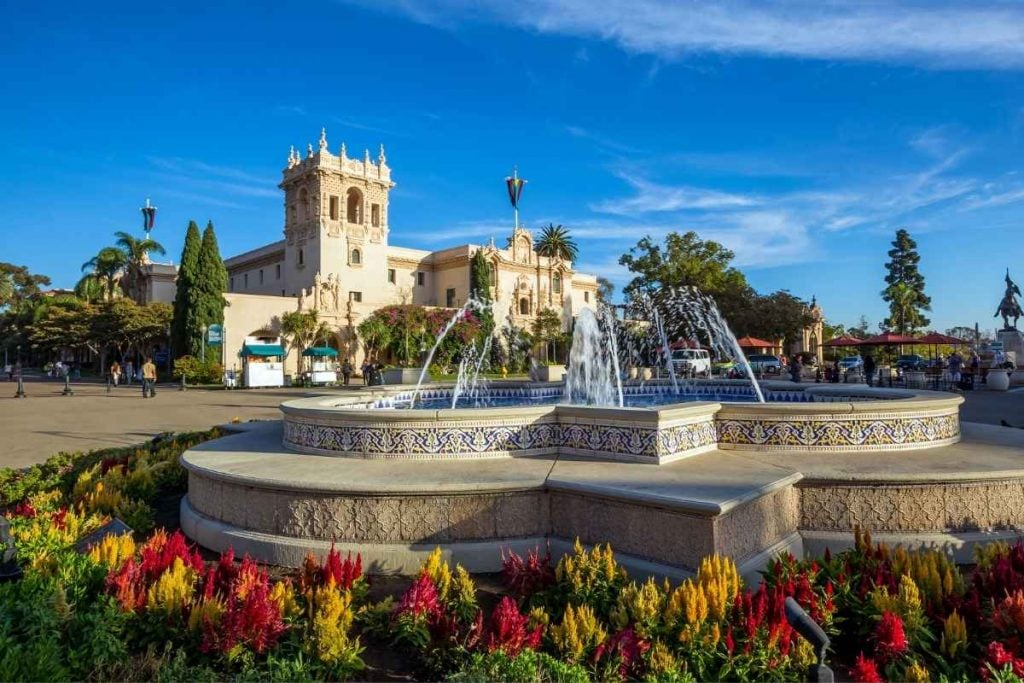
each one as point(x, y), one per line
point(507, 630)
point(342, 573)
point(524, 577)
point(160, 551)
point(865, 671)
point(128, 586)
point(60, 519)
point(890, 636)
point(420, 599)
point(730, 644)
point(253, 621)
point(23, 509)
point(628, 648)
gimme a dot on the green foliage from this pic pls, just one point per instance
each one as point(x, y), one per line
point(107, 267)
point(407, 331)
point(904, 291)
point(605, 290)
point(135, 251)
point(529, 666)
point(301, 330)
point(198, 372)
point(185, 332)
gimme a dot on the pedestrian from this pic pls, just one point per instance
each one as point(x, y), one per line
point(975, 363)
point(346, 371)
point(956, 364)
point(115, 373)
point(129, 375)
point(148, 379)
point(869, 369)
point(9, 371)
point(796, 368)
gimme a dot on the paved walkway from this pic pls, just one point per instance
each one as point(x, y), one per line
point(34, 428)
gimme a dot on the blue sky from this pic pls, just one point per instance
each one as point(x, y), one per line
point(800, 134)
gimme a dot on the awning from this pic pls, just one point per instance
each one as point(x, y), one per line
point(754, 343)
point(939, 339)
point(262, 350)
point(319, 352)
point(888, 338)
point(843, 341)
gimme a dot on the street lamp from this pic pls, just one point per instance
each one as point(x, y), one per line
point(168, 329)
point(202, 349)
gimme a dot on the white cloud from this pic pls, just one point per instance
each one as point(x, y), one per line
point(953, 33)
point(653, 197)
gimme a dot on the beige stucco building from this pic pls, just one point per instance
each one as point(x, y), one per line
point(335, 258)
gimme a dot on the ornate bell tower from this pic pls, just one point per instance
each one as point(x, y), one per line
point(336, 213)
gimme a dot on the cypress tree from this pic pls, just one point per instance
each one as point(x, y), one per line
point(904, 291)
point(187, 271)
point(208, 293)
point(480, 289)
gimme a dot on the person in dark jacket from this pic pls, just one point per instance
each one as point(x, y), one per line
point(869, 369)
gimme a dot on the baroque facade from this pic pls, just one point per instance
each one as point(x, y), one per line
point(336, 259)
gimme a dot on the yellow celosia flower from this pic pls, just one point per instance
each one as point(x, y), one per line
point(583, 570)
point(916, 673)
point(803, 654)
point(660, 660)
point(437, 569)
point(463, 590)
point(207, 610)
point(330, 624)
point(579, 633)
point(687, 603)
point(906, 603)
point(954, 636)
point(721, 581)
point(985, 555)
point(113, 551)
point(172, 592)
point(538, 617)
point(284, 595)
point(640, 606)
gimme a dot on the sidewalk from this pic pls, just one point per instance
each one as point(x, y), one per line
point(47, 422)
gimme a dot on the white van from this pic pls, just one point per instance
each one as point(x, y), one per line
point(691, 362)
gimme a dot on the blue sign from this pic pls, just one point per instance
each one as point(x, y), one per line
point(215, 334)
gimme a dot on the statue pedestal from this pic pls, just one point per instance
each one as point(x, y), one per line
point(1013, 343)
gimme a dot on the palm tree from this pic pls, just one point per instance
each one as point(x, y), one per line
point(556, 242)
point(904, 313)
point(89, 288)
point(107, 266)
point(135, 251)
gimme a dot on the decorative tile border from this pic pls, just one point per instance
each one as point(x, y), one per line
point(453, 439)
point(846, 432)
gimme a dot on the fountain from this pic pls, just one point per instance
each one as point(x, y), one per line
point(592, 376)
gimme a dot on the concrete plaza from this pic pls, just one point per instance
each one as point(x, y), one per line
point(47, 422)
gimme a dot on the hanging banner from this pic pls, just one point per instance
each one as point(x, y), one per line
point(515, 190)
point(148, 216)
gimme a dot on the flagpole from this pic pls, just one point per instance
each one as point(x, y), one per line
point(515, 206)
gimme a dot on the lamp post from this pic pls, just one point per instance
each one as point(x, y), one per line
point(202, 349)
point(21, 384)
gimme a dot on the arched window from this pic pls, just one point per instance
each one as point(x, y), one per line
point(304, 203)
point(357, 257)
point(354, 206)
point(492, 275)
point(524, 306)
point(556, 283)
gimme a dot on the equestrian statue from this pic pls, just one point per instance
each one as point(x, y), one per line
point(1009, 307)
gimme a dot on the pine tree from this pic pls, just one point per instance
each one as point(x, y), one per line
point(183, 311)
point(904, 291)
point(207, 295)
point(480, 289)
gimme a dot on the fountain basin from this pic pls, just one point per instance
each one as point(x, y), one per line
point(818, 418)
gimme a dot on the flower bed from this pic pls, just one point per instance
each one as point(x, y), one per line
point(151, 606)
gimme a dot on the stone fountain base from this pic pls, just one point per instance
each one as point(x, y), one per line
point(247, 492)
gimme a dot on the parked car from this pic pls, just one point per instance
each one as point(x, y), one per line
point(911, 362)
point(691, 362)
point(852, 363)
point(764, 364)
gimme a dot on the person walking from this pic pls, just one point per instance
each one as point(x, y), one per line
point(129, 376)
point(975, 363)
point(148, 379)
point(367, 368)
point(869, 369)
point(956, 364)
point(346, 371)
point(115, 373)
